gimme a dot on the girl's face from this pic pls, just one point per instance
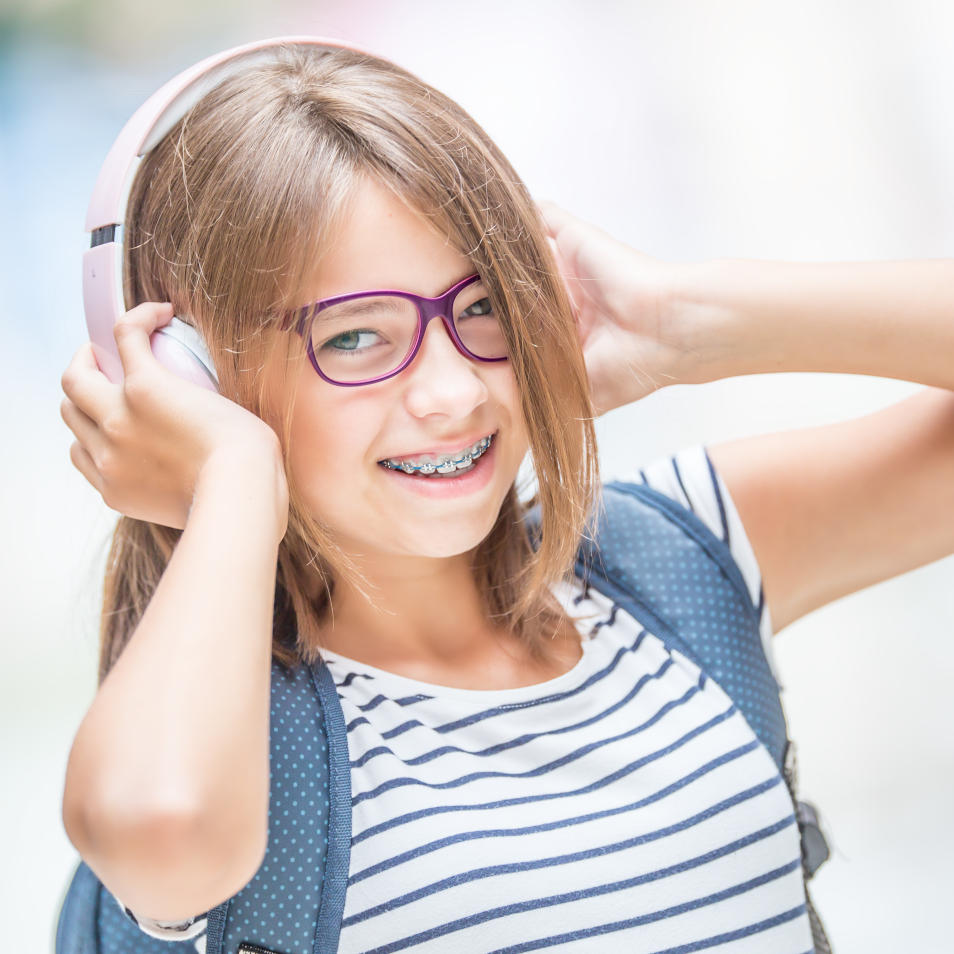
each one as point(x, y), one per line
point(442, 404)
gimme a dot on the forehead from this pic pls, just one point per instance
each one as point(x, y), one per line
point(382, 242)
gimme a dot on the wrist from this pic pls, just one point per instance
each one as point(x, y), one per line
point(721, 336)
point(248, 480)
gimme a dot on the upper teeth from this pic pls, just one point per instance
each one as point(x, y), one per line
point(443, 463)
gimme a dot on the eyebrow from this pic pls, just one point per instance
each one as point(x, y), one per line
point(360, 306)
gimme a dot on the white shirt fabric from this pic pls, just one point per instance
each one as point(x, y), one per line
point(625, 804)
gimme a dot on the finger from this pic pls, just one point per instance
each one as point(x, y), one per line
point(554, 216)
point(84, 428)
point(570, 231)
point(551, 241)
point(85, 385)
point(567, 234)
point(569, 280)
point(132, 333)
point(84, 464)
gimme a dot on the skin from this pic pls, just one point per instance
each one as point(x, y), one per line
point(163, 773)
point(425, 619)
point(828, 510)
point(159, 449)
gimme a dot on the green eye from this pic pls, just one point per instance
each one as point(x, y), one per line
point(352, 340)
point(480, 307)
point(346, 342)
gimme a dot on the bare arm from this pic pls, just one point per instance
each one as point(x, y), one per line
point(829, 510)
point(166, 793)
point(890, 319)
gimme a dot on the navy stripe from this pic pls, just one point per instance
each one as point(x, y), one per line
point(404, 701)
point(642, 476)
point(725, 895)
point(718, 496)
point(530, 703)
point(351, 678)
point(682, 486)
point(524, 799)
point(519, 740)
point(597, 930)
point(747, 931)
point(600, 851)
point(656, 796)
point(609, 621)
point(596, 891)
point(545, 769)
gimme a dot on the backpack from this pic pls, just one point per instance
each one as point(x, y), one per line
point(294, 902)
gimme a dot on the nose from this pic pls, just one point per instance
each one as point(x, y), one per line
point(441, 380)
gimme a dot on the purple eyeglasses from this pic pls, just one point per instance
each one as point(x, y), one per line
point(370, 336)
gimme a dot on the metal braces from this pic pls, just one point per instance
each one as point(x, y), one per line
point(443, 468)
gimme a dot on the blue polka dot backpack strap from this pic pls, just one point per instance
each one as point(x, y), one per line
point(661, 563)
point(294, 903)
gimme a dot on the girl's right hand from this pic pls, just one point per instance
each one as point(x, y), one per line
point(637, 332)
point(632, 340)
point(144, 443)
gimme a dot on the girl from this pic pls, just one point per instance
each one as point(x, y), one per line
point(350, 504)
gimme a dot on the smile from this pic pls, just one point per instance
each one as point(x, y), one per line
point(444, 465)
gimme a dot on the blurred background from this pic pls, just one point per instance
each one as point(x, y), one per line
point(689, 128)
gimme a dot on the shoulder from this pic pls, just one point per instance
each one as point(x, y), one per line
point(690, 480)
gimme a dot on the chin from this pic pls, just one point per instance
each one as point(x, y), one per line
point(451, 539)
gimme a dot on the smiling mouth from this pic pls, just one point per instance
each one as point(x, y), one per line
point(444, 465)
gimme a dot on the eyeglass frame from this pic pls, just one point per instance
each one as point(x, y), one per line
point(441, 306)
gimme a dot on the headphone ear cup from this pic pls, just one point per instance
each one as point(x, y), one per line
point(103, 300)
point(179, 348)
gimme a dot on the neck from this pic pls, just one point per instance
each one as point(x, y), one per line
point(424, 618)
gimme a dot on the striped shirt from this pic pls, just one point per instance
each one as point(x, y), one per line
point(624, 804)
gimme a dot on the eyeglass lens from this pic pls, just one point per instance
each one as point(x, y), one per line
point(368, 337)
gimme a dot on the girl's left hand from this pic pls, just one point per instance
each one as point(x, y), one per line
point(635, 339)
point(147, 443)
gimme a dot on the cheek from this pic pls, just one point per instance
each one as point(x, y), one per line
point(328, 448)
point(317, 449)
point(509, 396)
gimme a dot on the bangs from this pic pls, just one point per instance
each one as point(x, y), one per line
point(230, 217)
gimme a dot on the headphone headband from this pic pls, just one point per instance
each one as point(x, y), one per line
point(103, 261)
point(164, 109)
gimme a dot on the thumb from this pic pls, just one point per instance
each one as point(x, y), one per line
point(555, 217)
point(567, 235)
point(133, 330)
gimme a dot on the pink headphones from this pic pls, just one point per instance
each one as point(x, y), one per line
point(178, 346)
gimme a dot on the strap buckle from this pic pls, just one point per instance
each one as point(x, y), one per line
point(815, 849)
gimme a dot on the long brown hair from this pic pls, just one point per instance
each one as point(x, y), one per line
point(228, 215)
